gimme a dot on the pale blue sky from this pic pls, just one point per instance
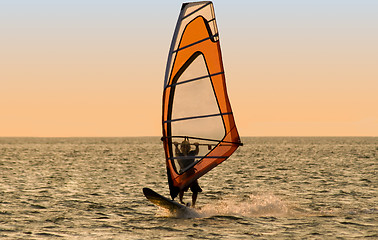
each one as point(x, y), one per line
point(96, 68)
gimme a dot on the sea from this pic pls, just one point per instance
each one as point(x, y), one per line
point(270, 188)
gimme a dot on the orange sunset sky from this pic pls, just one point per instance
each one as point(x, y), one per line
point(95, 68)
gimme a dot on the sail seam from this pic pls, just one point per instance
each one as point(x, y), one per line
point(192, 44)
point(195, 117)
point(194, 79)
point(196, 10)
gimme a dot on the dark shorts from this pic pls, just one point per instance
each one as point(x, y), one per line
point(194, 187)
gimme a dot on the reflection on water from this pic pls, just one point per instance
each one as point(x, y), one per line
point(273, 188)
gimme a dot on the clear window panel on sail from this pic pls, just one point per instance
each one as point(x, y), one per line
point(196, 124)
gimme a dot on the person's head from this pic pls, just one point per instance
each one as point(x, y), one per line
point(185, 146)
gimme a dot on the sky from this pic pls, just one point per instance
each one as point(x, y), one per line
point(80, 68)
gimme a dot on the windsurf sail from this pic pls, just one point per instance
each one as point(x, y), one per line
point(196, 108)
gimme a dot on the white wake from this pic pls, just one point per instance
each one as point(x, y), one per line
point(255, 205)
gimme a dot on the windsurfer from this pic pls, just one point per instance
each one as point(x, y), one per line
point(185, 162)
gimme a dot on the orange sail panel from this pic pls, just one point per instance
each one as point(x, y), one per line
point(199, 130)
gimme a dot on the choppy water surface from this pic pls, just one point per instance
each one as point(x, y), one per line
point(271, 188)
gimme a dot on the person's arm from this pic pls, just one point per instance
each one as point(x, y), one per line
point(197, 148)
point(177, 150)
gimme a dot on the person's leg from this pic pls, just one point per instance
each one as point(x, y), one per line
point(181, 195)
point(194, 199)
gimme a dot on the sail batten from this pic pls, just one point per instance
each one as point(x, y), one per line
point(199, 41)
point(195, 79)
point(204, 139)
point(200, 157)
point(196, 108)
point(194, 117)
